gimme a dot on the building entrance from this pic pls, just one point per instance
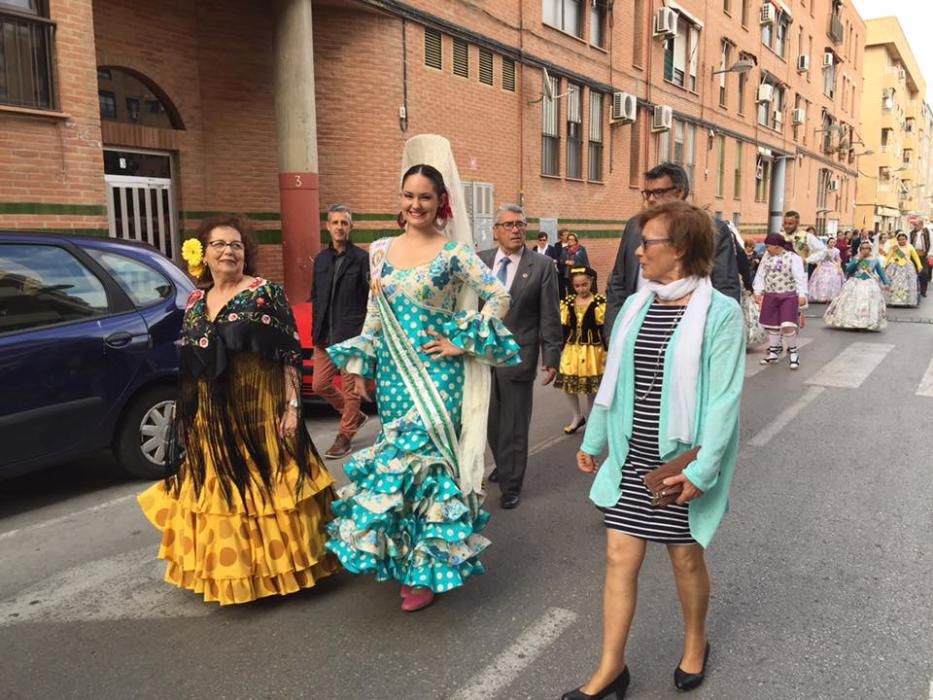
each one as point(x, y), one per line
point(141, 198)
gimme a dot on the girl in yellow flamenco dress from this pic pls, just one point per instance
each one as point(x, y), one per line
point(583, 317)
point(243, 513)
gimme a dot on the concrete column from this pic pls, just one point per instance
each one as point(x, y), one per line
point(296, 135)
point(778, 183)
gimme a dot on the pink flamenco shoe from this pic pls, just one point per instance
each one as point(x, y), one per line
point(404, 591)
point(416, 599)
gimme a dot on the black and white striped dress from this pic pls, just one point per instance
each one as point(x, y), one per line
point(633, 514)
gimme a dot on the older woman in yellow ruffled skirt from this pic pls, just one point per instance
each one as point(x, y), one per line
point(244, 513)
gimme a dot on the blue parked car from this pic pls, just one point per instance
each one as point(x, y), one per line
point(88, 354)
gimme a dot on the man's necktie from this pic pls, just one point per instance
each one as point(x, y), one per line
point(503, 273)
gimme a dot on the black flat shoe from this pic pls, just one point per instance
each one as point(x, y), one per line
point(689, 681)
point(494, 476)
point(510, 501)
point(618, 686)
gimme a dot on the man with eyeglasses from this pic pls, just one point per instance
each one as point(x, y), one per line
point(663, 183)
point(339, 293)
point(534, 320)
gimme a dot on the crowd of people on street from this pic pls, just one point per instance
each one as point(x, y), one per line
point(453, 342)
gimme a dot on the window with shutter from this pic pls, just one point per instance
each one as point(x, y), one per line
point(27, 47)
point(508, 74)
point(595, 147)
point(574, 128)
point(461, 58)
point(485, 67)
point(550, 130)
point(720, 165)
point(433, 56)
point(737, 179)
point(634, 156)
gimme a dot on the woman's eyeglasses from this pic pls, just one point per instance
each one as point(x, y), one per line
point(647, 243)
point(219, 246)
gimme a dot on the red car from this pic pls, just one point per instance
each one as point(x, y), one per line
point(303, 314)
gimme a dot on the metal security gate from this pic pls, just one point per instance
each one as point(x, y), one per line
point(142, 209)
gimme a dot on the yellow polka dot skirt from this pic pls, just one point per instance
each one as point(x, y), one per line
point(236, 553)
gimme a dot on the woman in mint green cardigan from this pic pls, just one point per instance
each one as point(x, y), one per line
point(673, 381)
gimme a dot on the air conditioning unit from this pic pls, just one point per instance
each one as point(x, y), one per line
point(662, 119)
point(833, 185)
point(798, 116)
point(803, 63)
point(768, 13)
point(765, 92)
point(778, 119)
point(829, 59)
point(624, 107)
point(884, 172)
point(887, 100)
point(665, 22)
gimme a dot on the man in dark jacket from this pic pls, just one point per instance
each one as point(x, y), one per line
point(663, 183)
point(534, 321)
point(339, 293)
point(856, 242)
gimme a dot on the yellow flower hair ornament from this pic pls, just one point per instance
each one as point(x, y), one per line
point(192, 252)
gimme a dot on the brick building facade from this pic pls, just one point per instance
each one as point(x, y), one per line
point(186, 90)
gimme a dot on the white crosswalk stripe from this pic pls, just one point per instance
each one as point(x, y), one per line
point(852, 366)
point(786, 417)
point(127, 586)
point(926, 384)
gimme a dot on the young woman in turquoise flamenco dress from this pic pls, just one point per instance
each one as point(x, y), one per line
point(413, 510)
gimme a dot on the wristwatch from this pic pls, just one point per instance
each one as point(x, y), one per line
point(293, 403)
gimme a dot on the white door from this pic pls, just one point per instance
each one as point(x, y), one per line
point(142, 209)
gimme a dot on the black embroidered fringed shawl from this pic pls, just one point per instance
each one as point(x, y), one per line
point(233, 376)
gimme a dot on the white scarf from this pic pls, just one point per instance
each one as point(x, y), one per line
point(686, 362)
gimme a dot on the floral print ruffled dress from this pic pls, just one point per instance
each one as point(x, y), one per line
point(244, 516)
point(403, 517)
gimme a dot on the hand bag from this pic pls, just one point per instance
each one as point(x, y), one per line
point(654, 480)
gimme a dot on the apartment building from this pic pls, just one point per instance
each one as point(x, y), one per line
point(894, 178)
point(135, 119)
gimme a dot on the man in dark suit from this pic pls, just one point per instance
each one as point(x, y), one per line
point(534, 320)
point(663, 183)
point(339, 293)
point(920, 239)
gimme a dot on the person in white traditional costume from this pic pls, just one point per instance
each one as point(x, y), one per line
point(860, 304)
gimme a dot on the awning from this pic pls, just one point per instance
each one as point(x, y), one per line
point(887, 211)
point(785, 8)
point(693, 19)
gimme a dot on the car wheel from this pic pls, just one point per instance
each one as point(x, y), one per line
point(141, 442)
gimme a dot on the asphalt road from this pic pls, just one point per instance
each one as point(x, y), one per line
point(822, 572)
